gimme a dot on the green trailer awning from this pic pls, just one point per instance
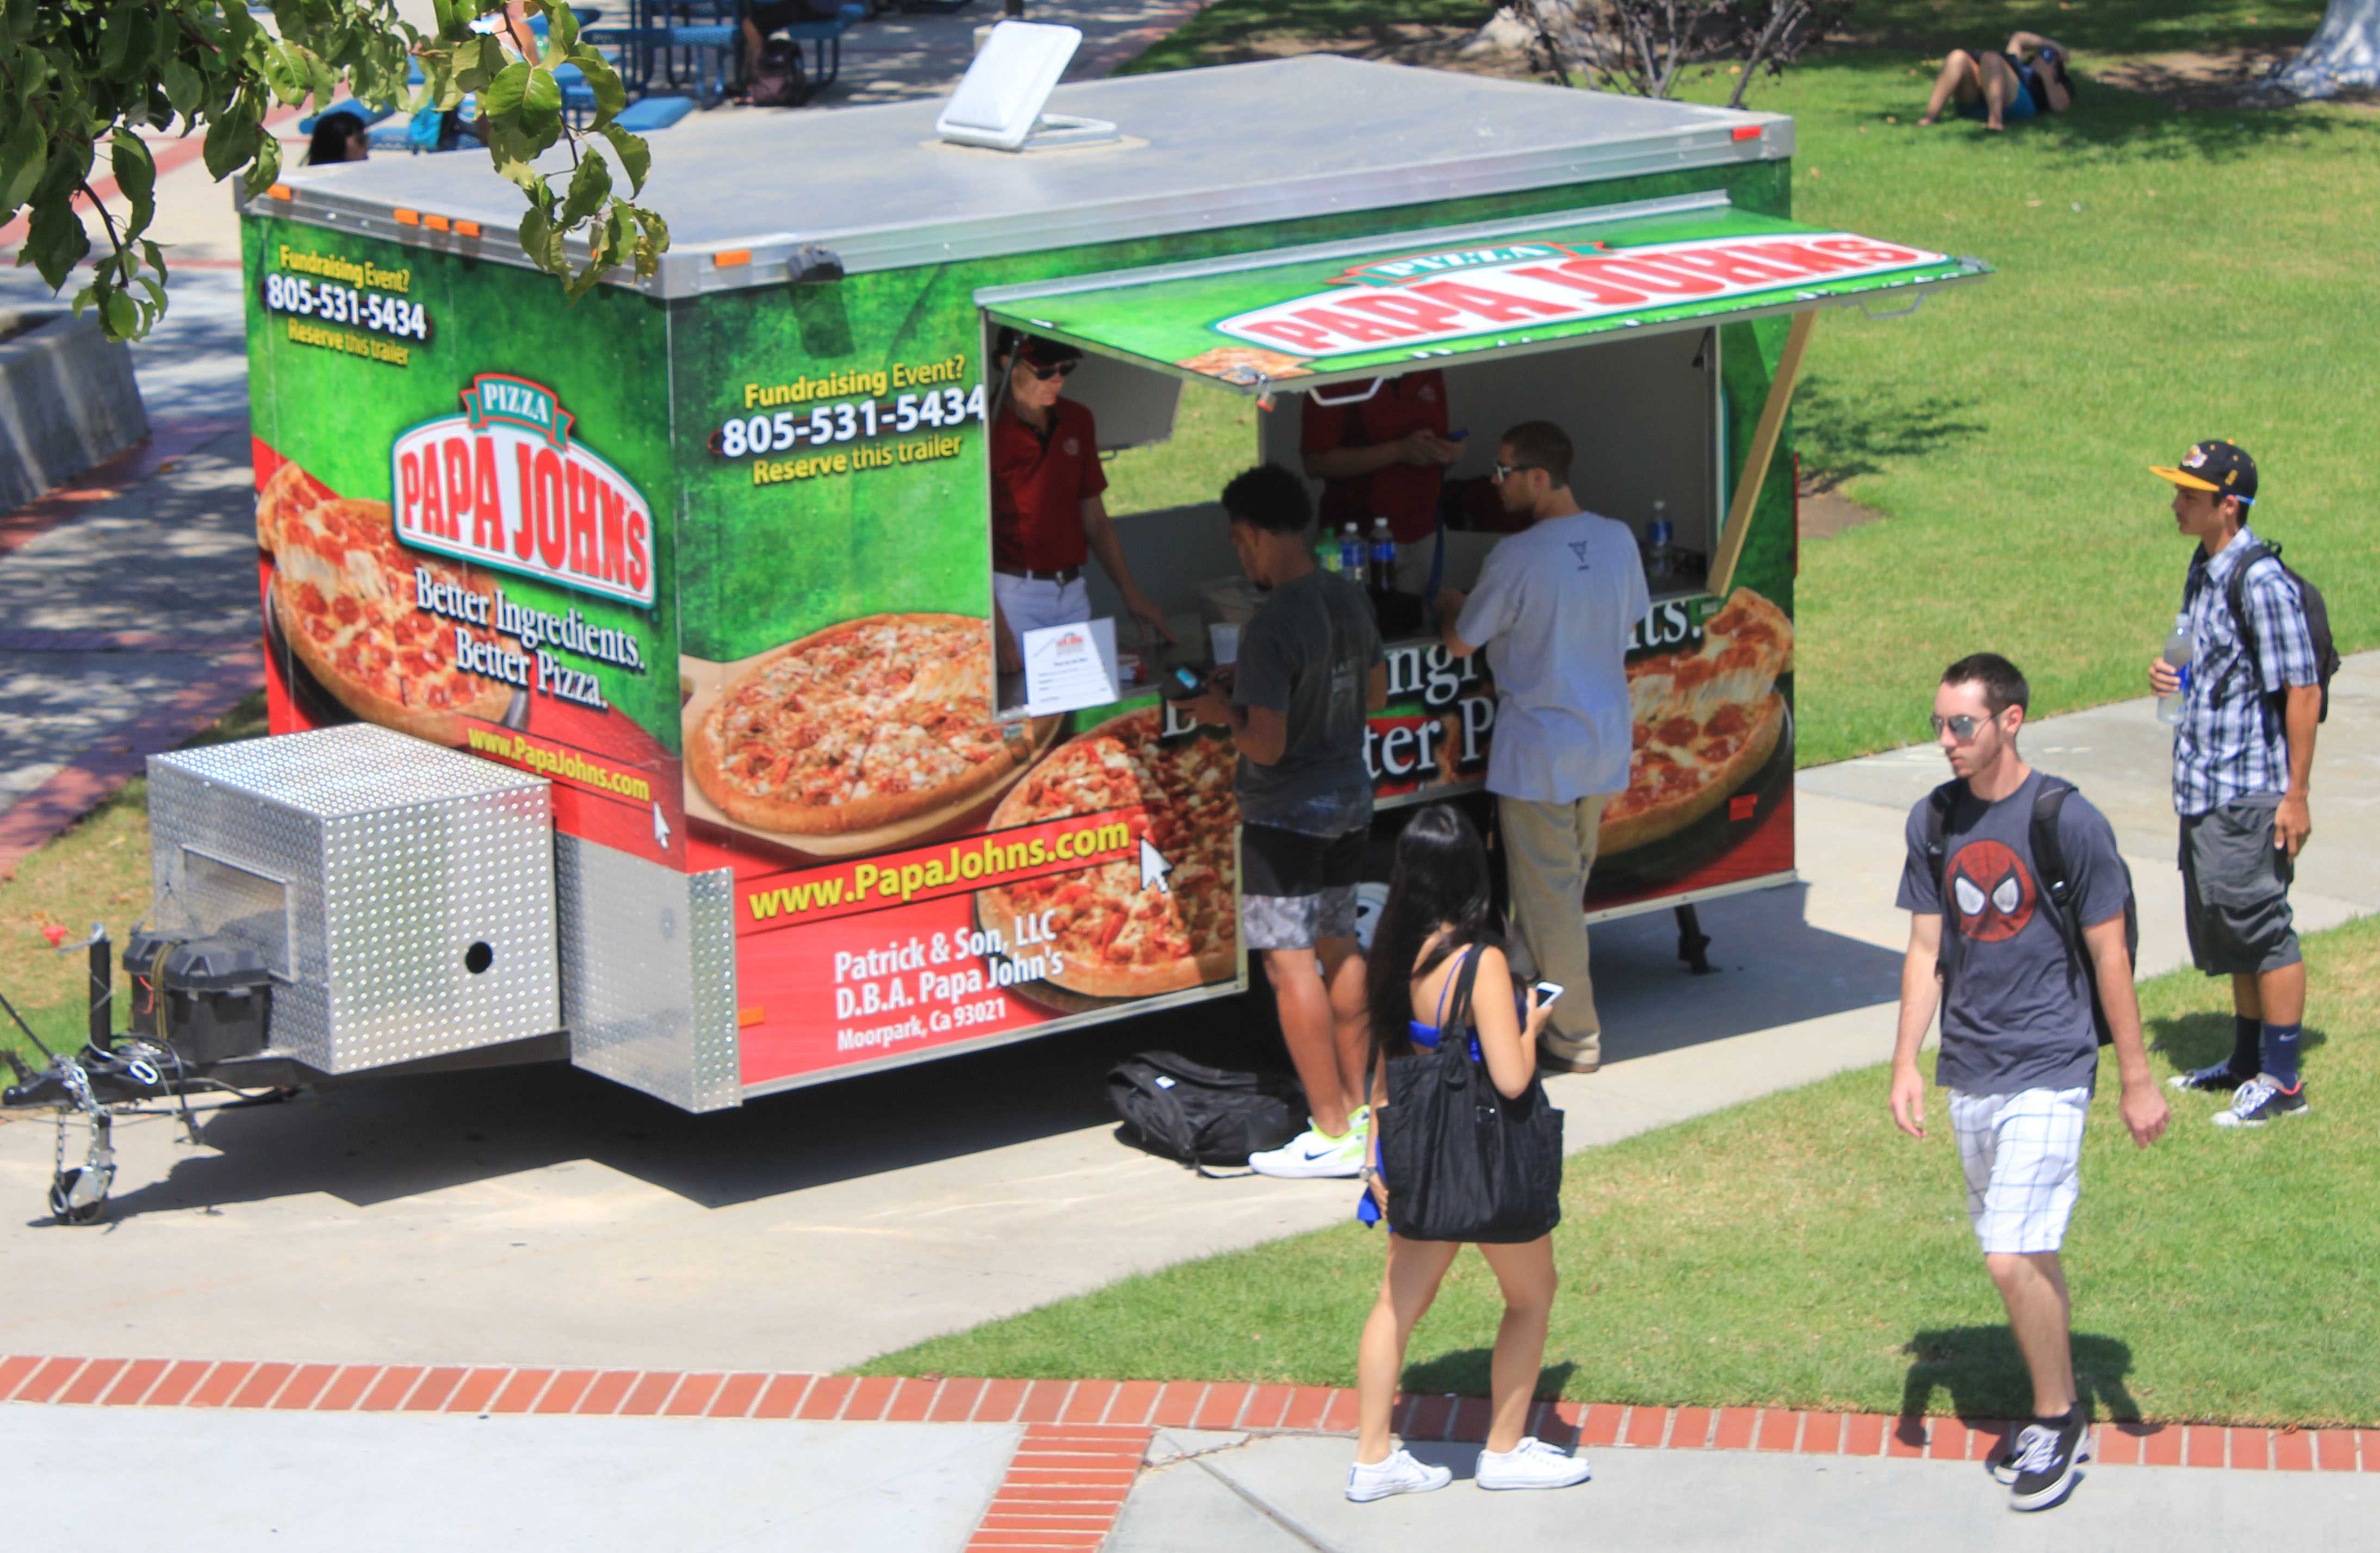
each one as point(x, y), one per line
point(1298, 319)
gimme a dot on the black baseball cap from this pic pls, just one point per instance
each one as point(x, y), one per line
point(1041, 352)
point(2214, 465)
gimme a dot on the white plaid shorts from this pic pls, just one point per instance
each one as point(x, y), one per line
point(2022, 1153)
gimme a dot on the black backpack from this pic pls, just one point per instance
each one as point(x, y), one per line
point(2317, 619)
point(1200, 1115)
point(778, 78)
point(2056, 880)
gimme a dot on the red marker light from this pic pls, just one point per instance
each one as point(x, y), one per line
point(1745, 132)
point(55, 935)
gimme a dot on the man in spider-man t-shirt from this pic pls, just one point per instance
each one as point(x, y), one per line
point(2020, 1046)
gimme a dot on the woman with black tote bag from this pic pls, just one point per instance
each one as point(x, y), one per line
point(1465, 1150)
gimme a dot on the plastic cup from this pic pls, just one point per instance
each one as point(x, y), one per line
point(1223, 641)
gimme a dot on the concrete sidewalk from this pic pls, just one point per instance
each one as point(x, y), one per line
point(229, 1456)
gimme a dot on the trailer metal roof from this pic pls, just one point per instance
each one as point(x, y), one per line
point(1226, 146)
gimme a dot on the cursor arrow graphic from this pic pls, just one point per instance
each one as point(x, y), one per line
point(661, 828)
point(1153, 867)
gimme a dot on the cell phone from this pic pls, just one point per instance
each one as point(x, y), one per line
point(1548, 991)
point(1181, 684)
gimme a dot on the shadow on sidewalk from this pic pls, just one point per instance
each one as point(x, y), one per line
point(366, 1141)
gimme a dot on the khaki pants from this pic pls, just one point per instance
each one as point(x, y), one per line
point(1548, 850)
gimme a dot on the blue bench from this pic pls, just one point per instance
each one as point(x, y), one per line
point(649, 114)
point(824, 36)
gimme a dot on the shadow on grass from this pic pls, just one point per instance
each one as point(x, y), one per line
point(1983, 1377)
point(1845, 433)
point(2195, 1040)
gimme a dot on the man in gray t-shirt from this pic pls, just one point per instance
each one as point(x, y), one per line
point(1553, 610)
point(2020, 1046)
point(1310, 667)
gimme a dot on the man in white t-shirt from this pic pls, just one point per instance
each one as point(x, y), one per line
point(1554, 609)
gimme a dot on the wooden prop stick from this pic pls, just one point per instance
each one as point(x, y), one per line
point(1763, 448)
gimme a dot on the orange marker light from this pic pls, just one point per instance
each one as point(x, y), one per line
point(747, 1017)
point(409, 218)
point(437, 223)
point(279, 191)
point(732, 256)
point(467, 229)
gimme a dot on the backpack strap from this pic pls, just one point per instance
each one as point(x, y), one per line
point(1939, 805)
point(2049, 865)
point(2235, 599)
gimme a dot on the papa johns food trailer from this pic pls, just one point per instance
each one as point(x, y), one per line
point(567, 607)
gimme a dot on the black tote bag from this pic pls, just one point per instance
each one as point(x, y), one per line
point(1463, 1162)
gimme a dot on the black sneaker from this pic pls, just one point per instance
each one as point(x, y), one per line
point(2261, 1100)
point(2216, 1078)
point(2046, 1456)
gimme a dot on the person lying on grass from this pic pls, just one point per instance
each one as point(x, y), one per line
point(2027, 78)
point(1435, 917)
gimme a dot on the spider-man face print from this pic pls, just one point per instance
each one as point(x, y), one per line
point(1992, 891)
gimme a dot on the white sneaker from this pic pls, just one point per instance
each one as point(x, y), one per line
point(1530, 1464)
point(1313, 1155)
point(1399, 1474)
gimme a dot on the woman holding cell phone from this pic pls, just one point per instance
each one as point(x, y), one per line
point(1435, 920)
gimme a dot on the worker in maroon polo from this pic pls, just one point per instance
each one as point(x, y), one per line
point(1384, 455)
point(1045, 512)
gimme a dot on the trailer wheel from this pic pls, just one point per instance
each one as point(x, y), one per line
point(62, 1203)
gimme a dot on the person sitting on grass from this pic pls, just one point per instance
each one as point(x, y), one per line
point(1435, 919)
point(2027, 78)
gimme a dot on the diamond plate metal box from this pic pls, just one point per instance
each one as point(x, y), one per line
point(403, 893)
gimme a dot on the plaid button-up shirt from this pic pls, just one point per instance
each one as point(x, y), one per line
point(2231, 742)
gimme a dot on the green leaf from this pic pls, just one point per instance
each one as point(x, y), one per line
point(589, 188)
point(17, 20)
point(543, 94)
point(119, 315)
point(611, 97)
point(185, 88)
point(539, 241)
point(22, 161)
point(126, 42)
point(635, 156)
point(602, 240)
point(267, 168)
point(231, 139)
point(154, 255)
point(136, 175)
point(652, 239)
point(55, 241)
point(502, 95)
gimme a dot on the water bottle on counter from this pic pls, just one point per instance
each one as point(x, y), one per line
point(1655, 547)
point(2180, 647)
point(1351, 553)
point(1383, 577)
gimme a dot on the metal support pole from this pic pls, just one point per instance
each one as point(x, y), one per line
point(1693, 941)
point(102, 992)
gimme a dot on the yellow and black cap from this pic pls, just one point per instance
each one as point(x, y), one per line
point(2217, 466)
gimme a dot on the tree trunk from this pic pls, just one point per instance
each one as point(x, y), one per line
point(2344, 52)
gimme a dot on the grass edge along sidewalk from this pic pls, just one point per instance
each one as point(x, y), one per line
point(1109, 1415)
point(1796, 1252)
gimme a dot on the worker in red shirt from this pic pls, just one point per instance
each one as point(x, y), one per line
point(1045, 512)
point(1381, 456)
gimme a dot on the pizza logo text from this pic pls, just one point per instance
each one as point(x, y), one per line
point(503, 485)
point(1435, 298)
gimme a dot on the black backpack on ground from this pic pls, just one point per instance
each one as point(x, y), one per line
point(778, 78)
point(2056, 880)
point(2317, 619)
point(1200, 1115)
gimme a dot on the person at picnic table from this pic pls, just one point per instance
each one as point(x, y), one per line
point(2026, 78)
point(759, 22)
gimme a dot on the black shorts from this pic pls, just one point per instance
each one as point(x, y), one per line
point(2235, 892)
point(770, 14)
point(1296, 889)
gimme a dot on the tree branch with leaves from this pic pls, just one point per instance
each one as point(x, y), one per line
point(1647, 47)
point(80, 76)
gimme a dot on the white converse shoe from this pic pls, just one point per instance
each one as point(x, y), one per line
point(1398, 1473)
point(1530, 1464)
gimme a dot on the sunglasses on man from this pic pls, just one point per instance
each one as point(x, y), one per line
point(1506, 471)
point(1063, 369)
point(1963, 726)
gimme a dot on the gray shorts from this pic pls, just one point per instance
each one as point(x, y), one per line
point(2234, 891)
point(1296, 890)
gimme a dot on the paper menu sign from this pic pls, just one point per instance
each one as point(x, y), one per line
point(1069, 667)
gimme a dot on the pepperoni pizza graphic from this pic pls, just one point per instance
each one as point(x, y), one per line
point(1992, 890)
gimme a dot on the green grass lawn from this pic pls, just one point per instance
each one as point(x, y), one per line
point(1799, 1251)
point(2163, 276)
point(96, 871)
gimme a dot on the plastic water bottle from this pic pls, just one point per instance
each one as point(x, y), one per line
point(1325, 555)
point(1660, 559)
point(1384, 557)
point(2180, 647)
point(1351, 553)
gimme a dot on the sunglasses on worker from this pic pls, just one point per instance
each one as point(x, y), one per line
point(1963, 726)
point(1063, 369)
point(1506, 471)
